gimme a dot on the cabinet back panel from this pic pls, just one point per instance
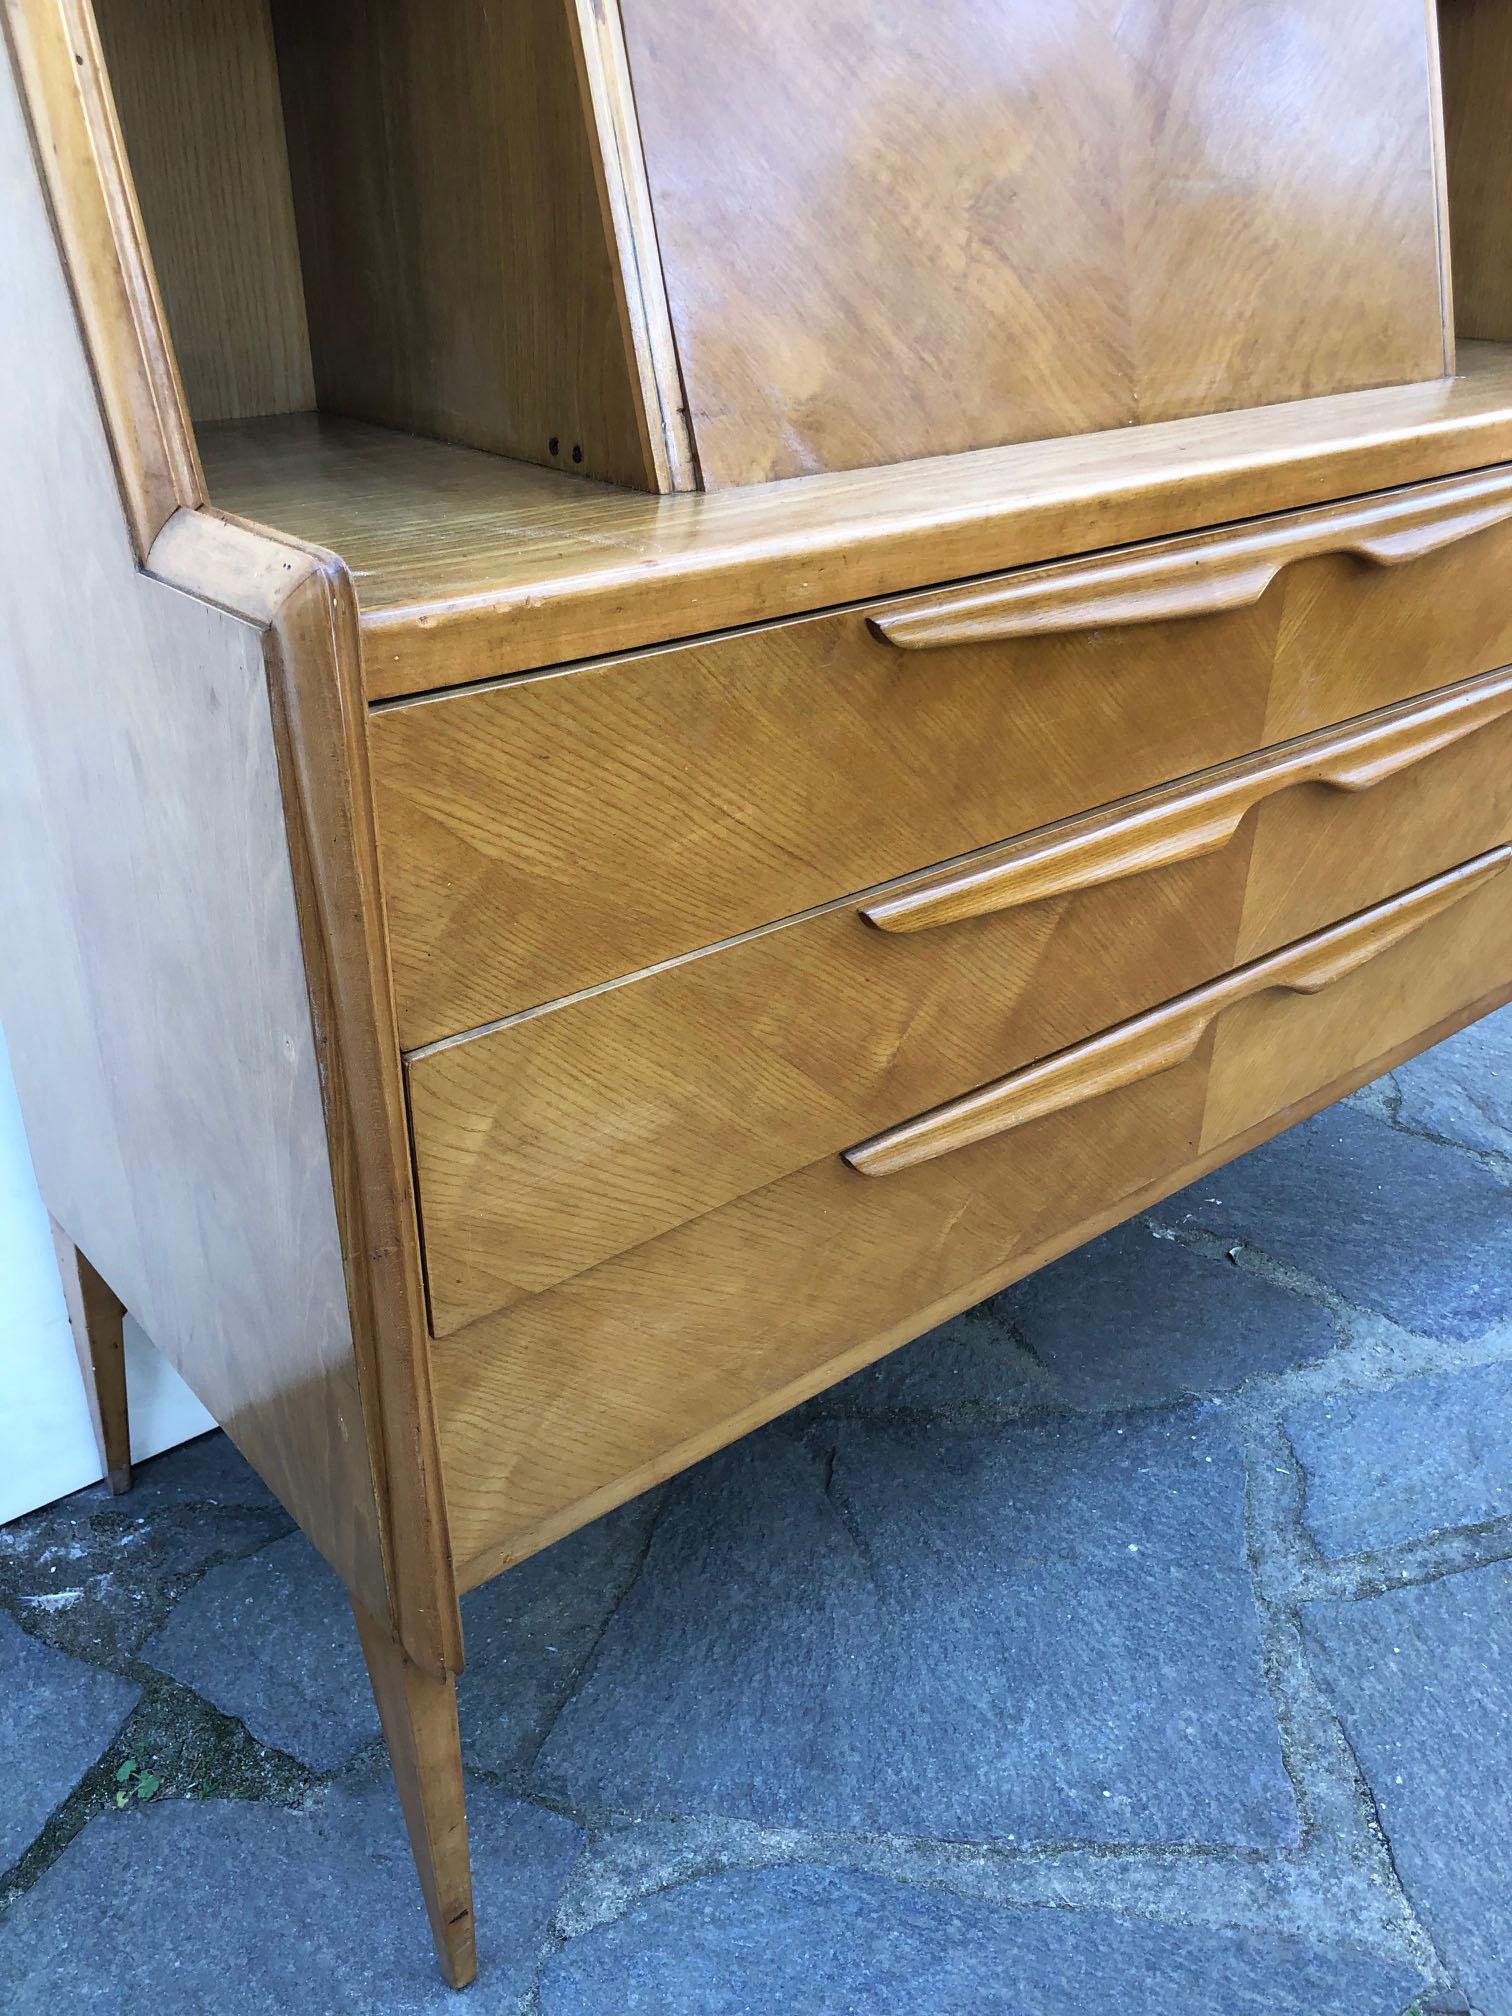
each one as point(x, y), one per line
point(1476, 37)
point(892, 231)
point(196, 87)
point(458, 267)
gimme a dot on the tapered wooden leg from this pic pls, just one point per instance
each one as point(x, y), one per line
point(419, 1717)
point(97, 1318)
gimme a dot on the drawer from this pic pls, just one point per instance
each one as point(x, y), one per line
point(548, 1144)
point(575, 1399)
point(557, 830)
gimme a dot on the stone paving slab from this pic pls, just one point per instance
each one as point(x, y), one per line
point(96, 1575)
point(974, 1364)
point(271, 1640)
point(1040, 1633)
point(1422, 1680)
point(1406, 1461)
point(210, 1470)
point(1462, 1090)
point(56, 1716)
point(823, 1942)
point(186, 1907)
point(995, 1598)
point(1394, 1223)
point(1134, 1319)
point(529, 1632)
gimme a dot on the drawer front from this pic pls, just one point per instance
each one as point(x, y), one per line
point(547, 1145)
point(559, 830)
point(577, 1398)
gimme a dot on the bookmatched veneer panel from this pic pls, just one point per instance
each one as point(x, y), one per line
point(892, 230)
point(696, 1337)
point(547, 1145)
point(550, 833)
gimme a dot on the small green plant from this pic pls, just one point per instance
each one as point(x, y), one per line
point(133, 1782)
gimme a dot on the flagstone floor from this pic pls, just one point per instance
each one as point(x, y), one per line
point(1139, 1643)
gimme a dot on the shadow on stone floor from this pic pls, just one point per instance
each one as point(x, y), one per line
point(1140, 1641)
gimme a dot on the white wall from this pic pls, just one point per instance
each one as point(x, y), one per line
point(47, 1448)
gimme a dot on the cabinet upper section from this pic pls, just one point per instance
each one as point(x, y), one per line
point(898, 228)
point(682, 244)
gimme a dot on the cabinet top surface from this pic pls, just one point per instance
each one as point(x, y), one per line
point(469, 566)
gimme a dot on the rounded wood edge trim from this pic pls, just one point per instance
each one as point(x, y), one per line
point(76, 136)
point(301, 598)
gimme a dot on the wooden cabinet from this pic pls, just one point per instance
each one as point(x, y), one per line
point(563, 892)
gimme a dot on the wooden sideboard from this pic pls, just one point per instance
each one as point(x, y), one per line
point(686, 683)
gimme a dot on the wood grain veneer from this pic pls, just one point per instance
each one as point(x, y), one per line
point(470, 567)
point(715, 787)
point(1201, 814)
point(656, 719)
point(160, 1034)
point(560, 1138)
point(892, 231)
point(456, 262)
point(1167, 1036)
point(743, 1312)
point(255, 1214)
point(1476, 39)
point(196, 89)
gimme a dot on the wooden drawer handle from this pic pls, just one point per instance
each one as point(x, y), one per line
point(1199, 576)
point(1166, 1036)
point(1182, 821)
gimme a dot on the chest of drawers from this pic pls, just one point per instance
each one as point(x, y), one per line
point(574, 874)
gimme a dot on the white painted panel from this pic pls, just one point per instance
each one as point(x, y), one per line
point(46, 1446)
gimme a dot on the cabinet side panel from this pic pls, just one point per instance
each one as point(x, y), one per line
point(153, 992)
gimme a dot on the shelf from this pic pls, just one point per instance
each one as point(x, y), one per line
point(469, 566)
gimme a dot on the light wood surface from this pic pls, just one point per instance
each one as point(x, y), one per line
point(894, 231)
point(305, 602)
point(1476, 38)
point(697, 1336)
point(630, 226)
point(1201, 814)
point(469, 566)
point(418, 1711)
point(547, 834)
point(81, 160)
point(1217, 571)
point(566, 1136)
point(149, 699)
point(618, 734)
point(97, 1319)
point(456, 264)
point(1168, 1035)
point(196, 89)
point(154, 995)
